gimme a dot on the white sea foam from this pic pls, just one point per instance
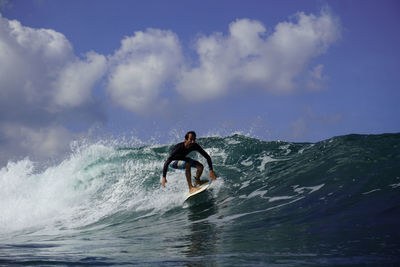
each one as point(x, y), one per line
point(310, 189)
point(222, 220)
point(369, 192)
point(245, 184)
point(94, 182)
point(232, 142)
point(216, 153)
point(272, 199)
point(395, 185)
point(255, 193)
point(59, 193)
point(247, 162)
point(264, 160)
point(286, 148)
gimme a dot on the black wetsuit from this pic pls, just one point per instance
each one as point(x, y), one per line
point(179, 152)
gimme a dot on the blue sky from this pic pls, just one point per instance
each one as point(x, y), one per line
point(276, 70)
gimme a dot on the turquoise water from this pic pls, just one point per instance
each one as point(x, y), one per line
point(335, 202)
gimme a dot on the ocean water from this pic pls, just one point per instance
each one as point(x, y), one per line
point(334, 202)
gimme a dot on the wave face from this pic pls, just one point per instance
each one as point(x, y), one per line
point(276, 203)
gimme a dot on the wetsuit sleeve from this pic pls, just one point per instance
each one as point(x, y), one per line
point(205, 154)
point(165, 169)
point(174, 152)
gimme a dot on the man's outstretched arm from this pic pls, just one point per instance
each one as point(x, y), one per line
point(165, 169)
point(213, 176)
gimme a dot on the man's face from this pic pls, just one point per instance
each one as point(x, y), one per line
point(191, 140)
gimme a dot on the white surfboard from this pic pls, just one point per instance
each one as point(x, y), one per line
point(203, 187)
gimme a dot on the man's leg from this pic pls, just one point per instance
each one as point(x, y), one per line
point(199, 172)
point(189, 178)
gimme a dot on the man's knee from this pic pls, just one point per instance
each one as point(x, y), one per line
point(187, 166)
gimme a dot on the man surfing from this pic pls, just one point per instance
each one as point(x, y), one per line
point(178, 160)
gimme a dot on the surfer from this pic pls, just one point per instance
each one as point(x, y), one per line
point(178, 160)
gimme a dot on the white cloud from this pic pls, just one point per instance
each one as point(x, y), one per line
point(39, 143)
point(75, 82)
point(38, 68)
point(42, 84)
point(144, 65)
point(248, 58)
point(316, 79)
point(30, 60)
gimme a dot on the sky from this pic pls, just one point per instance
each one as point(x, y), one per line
point(298, 71)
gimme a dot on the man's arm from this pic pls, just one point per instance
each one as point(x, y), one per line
point(206, 156)
point(165, 169)
point(213, 176)
point(174, 151)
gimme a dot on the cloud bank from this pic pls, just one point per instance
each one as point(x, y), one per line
point(45, 86)
point(145, 64)
point(249, 57)
point(42, 84)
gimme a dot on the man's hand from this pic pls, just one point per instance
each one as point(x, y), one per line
point(213, 176)
point(163, 181)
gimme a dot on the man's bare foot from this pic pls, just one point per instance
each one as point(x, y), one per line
point(200, 182)
point(193, 189)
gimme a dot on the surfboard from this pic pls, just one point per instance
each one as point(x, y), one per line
point(203, 188)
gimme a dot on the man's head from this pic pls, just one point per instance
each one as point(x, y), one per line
point(190, 138)
point(190, 133)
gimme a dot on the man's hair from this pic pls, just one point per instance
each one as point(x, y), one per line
point(190, 132)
